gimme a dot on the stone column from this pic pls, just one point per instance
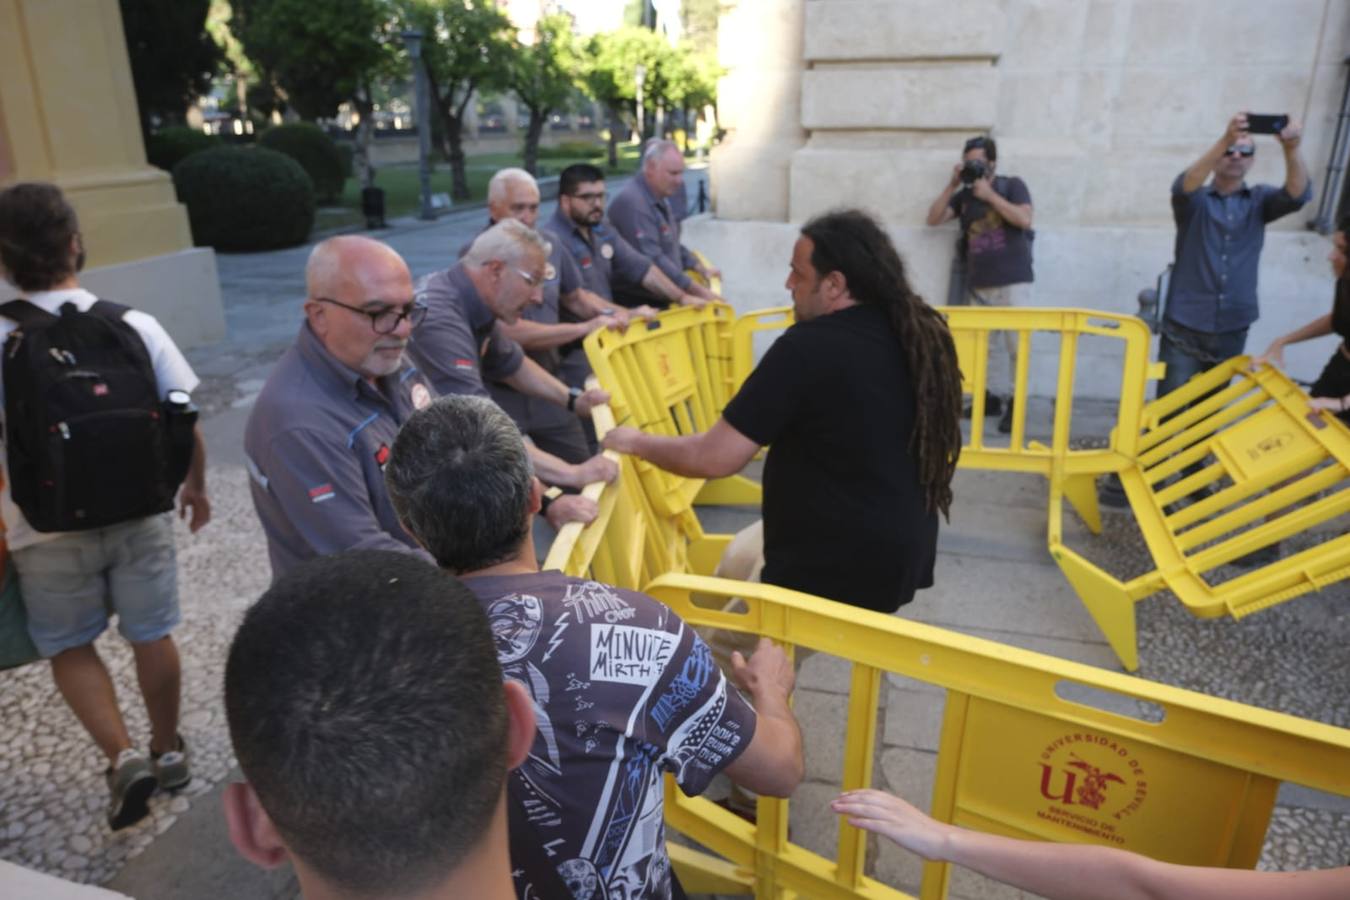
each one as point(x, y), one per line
point(68, 115)
point(759, 103)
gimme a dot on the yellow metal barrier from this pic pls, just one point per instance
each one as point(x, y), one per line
point(1269, 457)
point(1192, 781)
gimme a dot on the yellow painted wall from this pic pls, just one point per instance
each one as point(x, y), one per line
point(68, 115)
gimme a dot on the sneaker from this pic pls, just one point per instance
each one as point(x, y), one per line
point(993, 405)
point(171, 767)
point(132, 782)
point(1005, 423)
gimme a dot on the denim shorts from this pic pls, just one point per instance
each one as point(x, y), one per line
point(72, 584)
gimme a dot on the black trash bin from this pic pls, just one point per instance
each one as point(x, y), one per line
point(372, 207)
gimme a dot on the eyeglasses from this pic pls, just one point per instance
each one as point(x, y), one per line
point(386, 319)
point(528, 278)
point(1240, 150)
point(590, 197)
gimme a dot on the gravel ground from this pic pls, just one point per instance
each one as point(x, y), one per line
point(52, 792)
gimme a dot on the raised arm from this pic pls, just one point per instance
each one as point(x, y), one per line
point(941, 209)
point(1194, 176)
point(1295, 170)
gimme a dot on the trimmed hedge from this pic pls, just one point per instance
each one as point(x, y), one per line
point(168, 147)
point(315, 151)
point(245, 198)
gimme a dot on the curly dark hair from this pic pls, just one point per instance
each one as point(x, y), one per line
point(36, 228)
point(851, 242)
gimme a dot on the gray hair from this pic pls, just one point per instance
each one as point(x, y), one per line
point(655, 148)
point(496, 189)
point(508, 241)
point(459, 477)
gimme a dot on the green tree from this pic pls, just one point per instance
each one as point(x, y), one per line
point(173, 58)
point(466, 47)
point(610, 76)
point(319, 55)
point(544, 75)
point(692, 84)
point(700, 23)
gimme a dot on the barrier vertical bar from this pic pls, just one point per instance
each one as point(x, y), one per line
point(864, 698)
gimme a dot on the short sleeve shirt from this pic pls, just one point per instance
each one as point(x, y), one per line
point(651, 226)
point(1218, 252)
point(845, 516)
point(997, 253)
point(561, 278)
point(316, 443)
point(601, 255)
point(172, 372)
point(460, 343)
point(623, 691)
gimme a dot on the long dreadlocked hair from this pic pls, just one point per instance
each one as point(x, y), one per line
point(851, 242)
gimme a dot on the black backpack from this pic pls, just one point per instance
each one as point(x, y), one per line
point(88, 440)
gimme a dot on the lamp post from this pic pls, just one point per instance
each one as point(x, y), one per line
point(640, 76)
point(412, 39)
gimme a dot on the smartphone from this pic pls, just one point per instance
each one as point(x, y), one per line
point(1258, 123)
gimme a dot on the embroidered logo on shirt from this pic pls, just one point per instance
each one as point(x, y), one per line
point(100, 390)
point(607, 251)
point(382, 455)
point(463, 363)
point(421, 396)
point(586, 261)
point(321, 493)
point(550, 272)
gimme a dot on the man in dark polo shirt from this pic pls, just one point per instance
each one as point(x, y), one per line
point(460, 346)
point(569, 313)
point(320, 432)
point(1221, 227)
point(642, 214)
point(604, 259)
point(622, 689)
point(858, 403)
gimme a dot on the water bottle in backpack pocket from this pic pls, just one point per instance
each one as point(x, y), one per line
point(88, 439)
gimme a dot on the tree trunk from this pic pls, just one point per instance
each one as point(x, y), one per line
point(532, 134)
point(613, 143)
point(365, 135)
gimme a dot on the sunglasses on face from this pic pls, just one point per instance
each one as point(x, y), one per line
point(1240, 150)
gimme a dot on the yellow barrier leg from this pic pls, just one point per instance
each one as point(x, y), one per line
point(864, 696)
point(734, 490)
point(1081, 492)
point(1107, 600)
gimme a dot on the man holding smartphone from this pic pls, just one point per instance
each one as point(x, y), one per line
point(1221, 226)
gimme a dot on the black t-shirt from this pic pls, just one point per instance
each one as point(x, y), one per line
point(844, 513)
point(996, 253)
point(1340, 310)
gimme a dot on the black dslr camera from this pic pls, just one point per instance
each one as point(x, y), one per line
point(972, 170)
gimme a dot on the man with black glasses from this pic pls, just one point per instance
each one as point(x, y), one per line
point(318, 436)
point(1221, 226)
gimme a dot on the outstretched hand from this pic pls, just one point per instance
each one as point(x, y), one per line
point(889, 816)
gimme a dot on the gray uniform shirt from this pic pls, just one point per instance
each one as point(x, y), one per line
point(561, 278)
point(651, 226)
point(460, 343)
point(601, 256)
point(317, 441)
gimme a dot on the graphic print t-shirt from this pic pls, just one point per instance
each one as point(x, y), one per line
point(996, 253)
point(623, 691)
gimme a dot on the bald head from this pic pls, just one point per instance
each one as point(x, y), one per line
point(347, 279)
point(513, 194)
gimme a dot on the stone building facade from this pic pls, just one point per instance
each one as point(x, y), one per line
point(1097, 104)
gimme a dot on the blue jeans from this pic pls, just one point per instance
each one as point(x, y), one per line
point(1188, 353)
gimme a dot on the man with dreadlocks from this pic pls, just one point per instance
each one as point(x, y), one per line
point(860, 403)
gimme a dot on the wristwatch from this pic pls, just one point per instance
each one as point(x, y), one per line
point(572, 394)
point(547, 499)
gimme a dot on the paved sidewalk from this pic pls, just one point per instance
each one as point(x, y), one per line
point(995, 580)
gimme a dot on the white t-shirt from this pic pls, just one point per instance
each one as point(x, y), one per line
point(172, 372)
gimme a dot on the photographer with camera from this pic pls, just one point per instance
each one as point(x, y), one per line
point(1221, 226)
point(995, 213)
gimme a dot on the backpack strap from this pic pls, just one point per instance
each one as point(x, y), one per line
point(106, 309)
point(25, 313)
